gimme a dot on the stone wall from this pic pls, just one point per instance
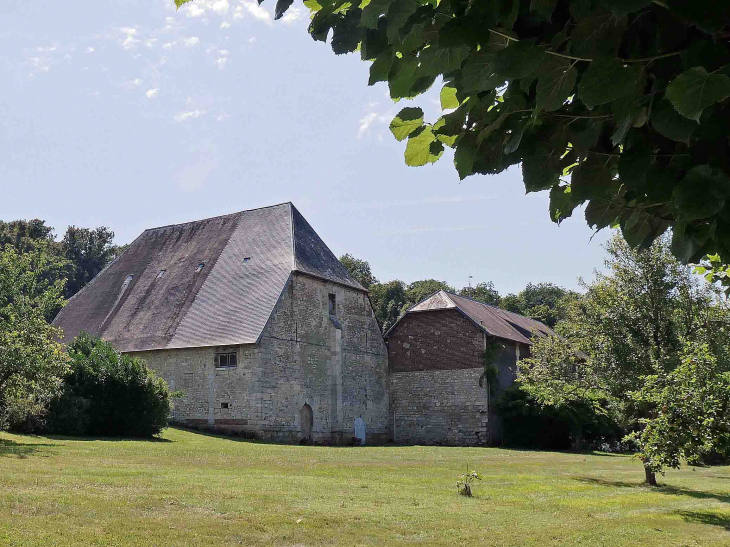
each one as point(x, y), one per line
point(337, 366)
point(436, 363)
point(439, 407)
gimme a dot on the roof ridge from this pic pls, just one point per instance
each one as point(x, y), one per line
point(219, 216)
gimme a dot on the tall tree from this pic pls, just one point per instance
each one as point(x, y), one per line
point(619, 105)
point(31, 361)
point(25, 235)
point(635, 339)
point(545, 302)
point(482, 292)
point(88, 252)
point(359, 269)
point(388, 299)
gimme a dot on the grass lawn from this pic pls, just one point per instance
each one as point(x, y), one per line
point(194, 489)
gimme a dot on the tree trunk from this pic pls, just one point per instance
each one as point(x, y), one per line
point(650, 476)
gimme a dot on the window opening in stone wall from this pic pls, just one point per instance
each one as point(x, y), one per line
point(200, 267)
point(225, 360)
point(224, 405)
point(161, 274)
point(333, 304)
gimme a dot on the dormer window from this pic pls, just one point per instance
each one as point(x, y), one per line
point(332, 304)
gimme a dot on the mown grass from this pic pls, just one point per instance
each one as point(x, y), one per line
point(191, 489)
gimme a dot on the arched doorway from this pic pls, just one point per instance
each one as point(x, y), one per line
point(306, 420)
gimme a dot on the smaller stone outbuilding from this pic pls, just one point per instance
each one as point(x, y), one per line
point(438, 390)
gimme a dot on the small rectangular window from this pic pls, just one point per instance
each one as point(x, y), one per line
point(333, 304)
point(247, 259)
point(226, 360)
point(224, 405)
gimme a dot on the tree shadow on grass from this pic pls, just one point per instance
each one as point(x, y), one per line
point(662, 489)
point(109, 439)
point(705, 517)
point(10, 448)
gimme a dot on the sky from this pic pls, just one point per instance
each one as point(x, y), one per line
point(132, 114)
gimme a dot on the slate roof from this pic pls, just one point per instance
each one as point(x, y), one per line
point(494, 321)
point(246, 259)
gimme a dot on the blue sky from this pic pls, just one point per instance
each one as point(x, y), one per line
point(130, 114)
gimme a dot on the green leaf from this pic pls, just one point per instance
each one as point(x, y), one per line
point(540, 172)
point(448, 98)
point(634, 164)
point(518, 60)
point(180, 3)
point(466, 152)
point(281, 7)
point(561, 203)
point(381, 66)
point(622, 110)
point(670, 123)
point(556, 79)
point(601, 213)
point(607, 80)
point(597, 34)
point(406, 122)
point(398, 13)
point(439, 60)
point(699, 194)
point(347, 33)
point(516, 137)
point(637, 228)
point(402, 77)
point(592, 179)
point(477, 73)
point(422, 148)
point(372, 12)
point(694, 90)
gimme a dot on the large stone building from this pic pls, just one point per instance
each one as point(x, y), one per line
point(253, 318)
point(438, 392)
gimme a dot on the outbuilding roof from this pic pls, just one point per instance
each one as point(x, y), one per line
point(211, 282)
point(494, 321)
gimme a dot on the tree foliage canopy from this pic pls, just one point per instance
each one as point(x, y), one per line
point(652, 341)
point(621, 105)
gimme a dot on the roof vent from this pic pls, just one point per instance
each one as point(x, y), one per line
point(129, 278)
point(200, 267)
point(161, 274)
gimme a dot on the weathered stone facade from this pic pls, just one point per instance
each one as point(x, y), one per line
point(437, 391)
point(334, 364)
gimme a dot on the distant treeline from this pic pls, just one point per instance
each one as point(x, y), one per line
point(545, 302)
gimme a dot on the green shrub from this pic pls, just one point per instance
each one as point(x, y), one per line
point(109, 394)
point(578, 425)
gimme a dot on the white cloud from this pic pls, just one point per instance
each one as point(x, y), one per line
point(129, 41)
point(239, 13)
point(42, 64)
point(195, 9)
point(369, 119)
point(151, 42)
point(185, 116)
point(152, 93)
point(168, 45)
point(128, 31)
point(221, 6)
point(221, 63)
point(259, 12)
point(133, 83)
point(90, 49)
point(225, 24)
point(192, 41)
point(292, 15)
point(222, 117)
point(223, 52)
point(46, 49)
point(252, 40)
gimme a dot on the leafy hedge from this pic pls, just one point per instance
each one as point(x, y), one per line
point(577, 425)
point(110, 394)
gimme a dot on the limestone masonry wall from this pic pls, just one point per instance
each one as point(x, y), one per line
point(336, 367)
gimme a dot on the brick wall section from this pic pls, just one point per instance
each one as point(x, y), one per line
point(302, 358)
point(435, 340)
